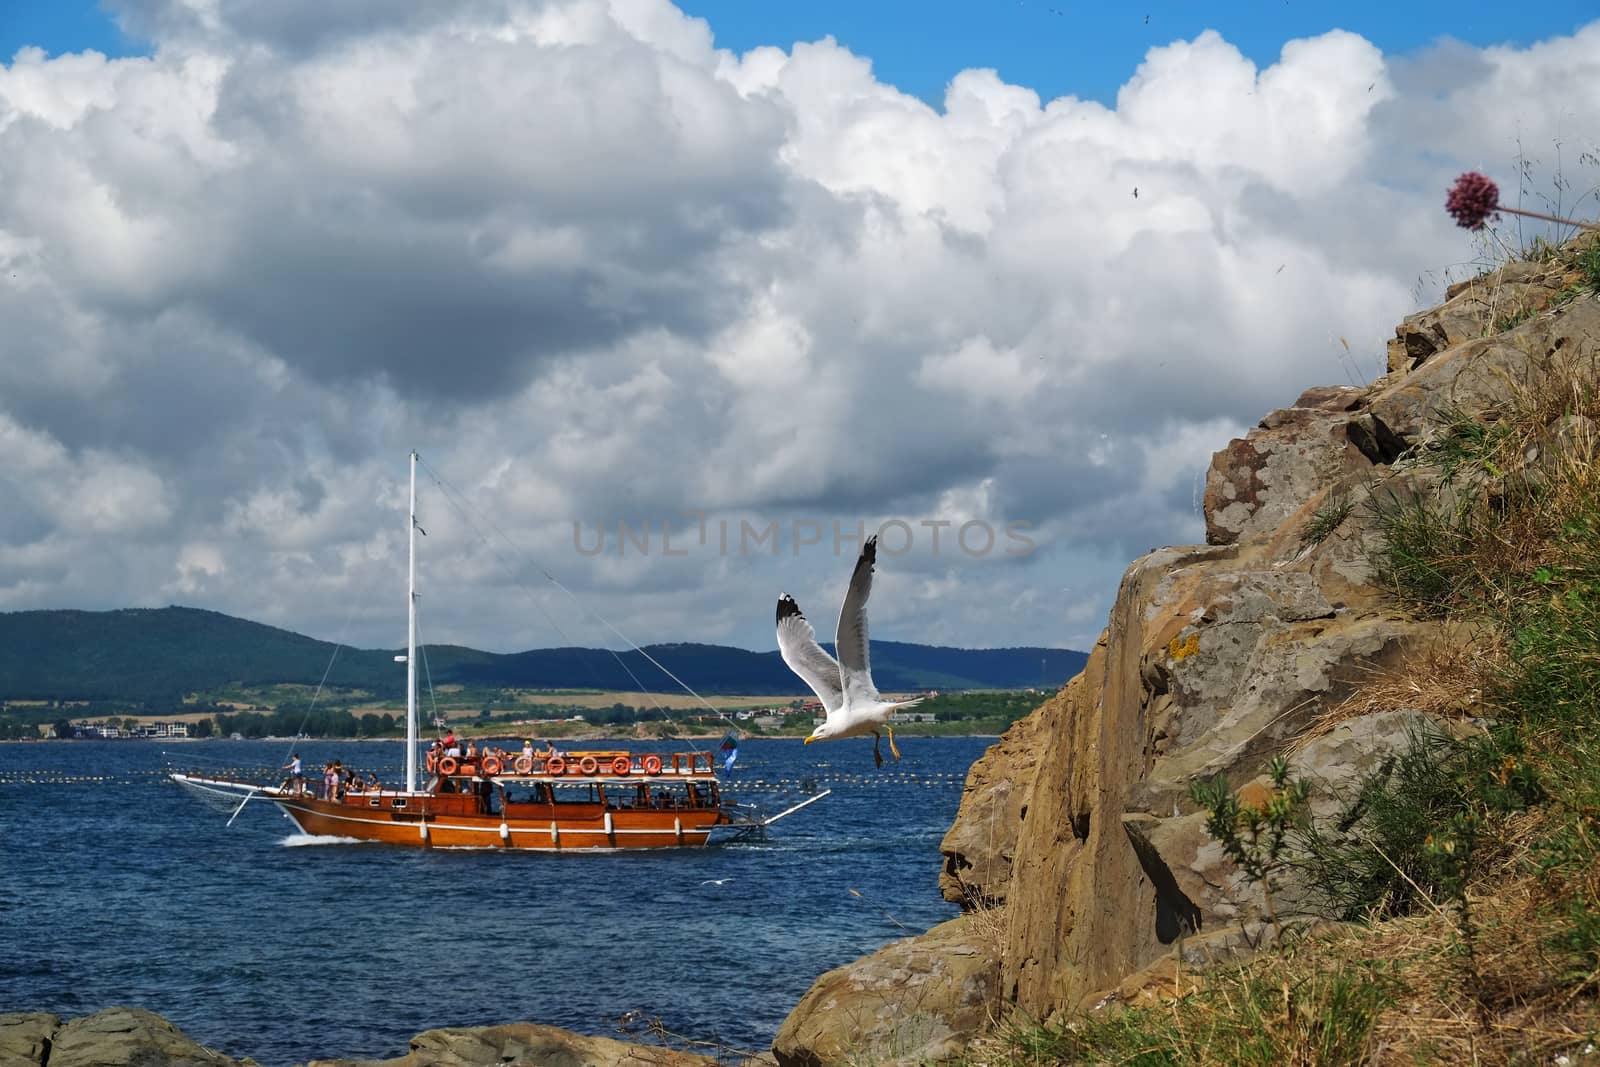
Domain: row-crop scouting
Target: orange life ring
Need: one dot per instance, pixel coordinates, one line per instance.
(447, 766)
(524, 764)
(555, 765)
(652, 764)
(491, 765)
(588, 765)
(621, 765)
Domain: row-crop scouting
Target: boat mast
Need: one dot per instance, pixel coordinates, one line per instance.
(411, 638)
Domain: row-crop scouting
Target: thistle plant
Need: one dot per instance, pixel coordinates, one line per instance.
(1474, 200)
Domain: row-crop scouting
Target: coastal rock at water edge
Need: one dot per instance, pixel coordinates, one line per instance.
(112, 1038)
(525, 1045)
(913, 1001)
(133, 1037)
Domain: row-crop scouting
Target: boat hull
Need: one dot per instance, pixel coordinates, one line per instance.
(564, 831)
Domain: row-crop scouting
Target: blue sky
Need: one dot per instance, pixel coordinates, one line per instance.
(1056, 47)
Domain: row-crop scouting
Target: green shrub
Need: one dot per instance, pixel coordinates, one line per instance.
(1421, 554)
(1328, 518)
(1512, 319)
(1588, 264)
(1385, 852)
(1255, 837)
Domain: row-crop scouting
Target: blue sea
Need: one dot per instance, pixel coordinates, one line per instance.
(119, 887)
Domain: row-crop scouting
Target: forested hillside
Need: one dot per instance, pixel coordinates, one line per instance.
(150, 655)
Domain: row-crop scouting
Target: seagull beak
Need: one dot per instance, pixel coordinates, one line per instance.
(811, 738)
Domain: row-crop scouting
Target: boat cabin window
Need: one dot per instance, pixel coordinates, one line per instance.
(616, 796)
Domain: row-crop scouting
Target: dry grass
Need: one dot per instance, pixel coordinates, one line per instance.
(1512, 1000)
(989, 922)
(1446, 679)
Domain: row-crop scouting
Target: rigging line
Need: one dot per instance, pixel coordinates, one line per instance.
(450, 493)
(338, 647)
(449, 496)
(427, 674)
(439, 481)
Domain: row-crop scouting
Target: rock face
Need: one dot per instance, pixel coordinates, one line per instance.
(25, 1038)
(1218, 657)
(913, 1001)
(978, 849)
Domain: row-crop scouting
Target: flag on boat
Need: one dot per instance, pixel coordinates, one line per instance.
(730, 750)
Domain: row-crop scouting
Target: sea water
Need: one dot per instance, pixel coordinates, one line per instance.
(119, 887)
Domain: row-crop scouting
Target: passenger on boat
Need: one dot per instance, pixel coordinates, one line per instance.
(472, 750)
(296, 779)
(451, 746)
(527, 748)
(373, 785)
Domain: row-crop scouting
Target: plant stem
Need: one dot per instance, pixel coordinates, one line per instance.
(1550, 218)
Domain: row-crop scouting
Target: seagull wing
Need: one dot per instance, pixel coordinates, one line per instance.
(797, 643)
(855, 665)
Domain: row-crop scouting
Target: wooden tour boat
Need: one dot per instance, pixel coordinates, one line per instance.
(580, 800)
(600, 799)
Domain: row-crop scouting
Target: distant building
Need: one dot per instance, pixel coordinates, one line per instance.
(895, 717)
(143, 731)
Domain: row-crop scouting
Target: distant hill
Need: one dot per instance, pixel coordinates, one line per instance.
(162, 654)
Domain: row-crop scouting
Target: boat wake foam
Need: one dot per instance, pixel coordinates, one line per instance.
(304, 840)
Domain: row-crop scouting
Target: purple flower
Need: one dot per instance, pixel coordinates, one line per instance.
(1473, 200)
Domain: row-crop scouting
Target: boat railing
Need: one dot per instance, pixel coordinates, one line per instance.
(596, 763)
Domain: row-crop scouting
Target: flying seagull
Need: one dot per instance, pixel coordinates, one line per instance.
(844, 685)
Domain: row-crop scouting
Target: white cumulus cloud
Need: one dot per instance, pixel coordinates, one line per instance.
(599, 270)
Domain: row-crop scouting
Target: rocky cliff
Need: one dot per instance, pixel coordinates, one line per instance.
(1077, 845)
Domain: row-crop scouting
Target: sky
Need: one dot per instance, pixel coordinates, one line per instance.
(764, 274)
